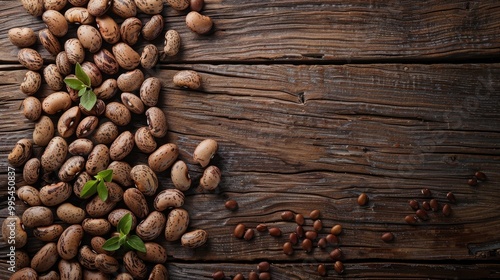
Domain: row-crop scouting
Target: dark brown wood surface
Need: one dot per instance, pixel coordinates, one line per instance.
(313, 103)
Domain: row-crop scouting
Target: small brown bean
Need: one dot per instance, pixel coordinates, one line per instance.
(332, 239)
(338, 266)
(31, 83)
(263, 266)
(288, 248)
(411, 219)
(322, 243)
(362, 199)
(239, 231)
(275, 232)
(336, 230)
(481, 176)
(318, 225)
(231, 205)
(49, 41)
(153, 28)
(132, 102)
(310, 234)
(52, 77)
(426, 192)
(451, 197)
(307, 245)
(387, 237)
(130, 30)
(199, 23)
(149, 56)
(300, 231)
(30, 59)
(126, 57)
(211, 178)
(150, 91)
(79, 15)
(472, 182)
(299, 219)
(178, 5)
(118, 113)
(314, 214)
(32, 108)
(196, 5)
(107, 63)
(218, 275)
(336, 254)
(261, 227)
(249, 233)
(446, 210)
(22, 37)
(55, 22)
(426, 206)
(188, 79)
(434, 205)
(414, 204)
(287, 215)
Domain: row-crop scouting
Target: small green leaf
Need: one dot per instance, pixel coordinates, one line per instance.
(112, 244)
(106, 175)
(102, 191)
(81, 75)
(88, 99)
(74, 83)
(122, 239)
(82, 91)
(89, 189)
(135, 242)
(125, 224)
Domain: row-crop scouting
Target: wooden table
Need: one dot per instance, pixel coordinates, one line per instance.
(313, 103)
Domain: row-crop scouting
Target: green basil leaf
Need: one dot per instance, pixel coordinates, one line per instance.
(88, 100)
(74, 83)
(135, 242)
(81, 75)
(102, 191)
(112, 244)
(89, 189)
(125, 224)
(106, 175)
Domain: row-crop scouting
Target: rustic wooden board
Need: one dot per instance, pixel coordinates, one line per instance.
(314, 102)
(313, 137)
(321, 31)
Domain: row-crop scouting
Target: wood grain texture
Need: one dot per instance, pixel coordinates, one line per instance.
(313, 103)
(314, 137)
(321, 31)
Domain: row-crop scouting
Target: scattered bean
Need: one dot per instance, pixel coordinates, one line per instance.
(287, 215)
(336, 230)
(362, 199)
(199, 23)
(288, 248)
(239, 231)
(387, 237)
(275, 232)
(481, 176)
(338, 266)
(307, 245)
(315, 214)
(231, 205)
(249, 233)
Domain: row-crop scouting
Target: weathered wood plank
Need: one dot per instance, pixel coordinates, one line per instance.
(365, 270)
(304, 137)
(321, 31)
